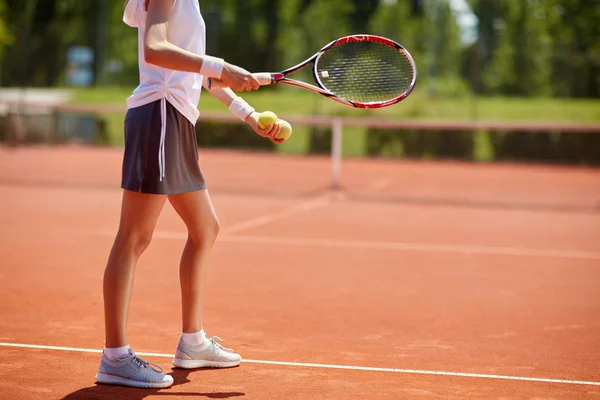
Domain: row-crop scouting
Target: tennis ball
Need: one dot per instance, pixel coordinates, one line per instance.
(266, 119)
(286, 130)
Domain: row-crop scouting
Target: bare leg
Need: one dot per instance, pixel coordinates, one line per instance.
(139, 213)
(196, 211)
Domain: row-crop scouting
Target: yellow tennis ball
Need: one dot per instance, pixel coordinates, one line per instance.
(266, 119)
(286, 130)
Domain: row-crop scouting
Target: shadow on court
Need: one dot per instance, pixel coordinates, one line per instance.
(180, 377)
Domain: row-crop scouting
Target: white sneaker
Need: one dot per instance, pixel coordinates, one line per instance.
(130, 370)
(214, 356)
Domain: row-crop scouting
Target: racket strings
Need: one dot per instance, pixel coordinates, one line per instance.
(365, 72)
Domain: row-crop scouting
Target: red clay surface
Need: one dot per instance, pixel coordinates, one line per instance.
(485, 269)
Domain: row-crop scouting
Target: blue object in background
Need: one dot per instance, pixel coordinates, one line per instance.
(80, 70)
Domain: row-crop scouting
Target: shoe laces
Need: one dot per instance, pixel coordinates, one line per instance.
(214, 343)
(143, 363)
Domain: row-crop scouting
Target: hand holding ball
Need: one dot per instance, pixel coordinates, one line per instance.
(268, 118)
(286, 130)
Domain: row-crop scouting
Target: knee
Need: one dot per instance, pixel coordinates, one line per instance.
(205, 234)
(133, 242)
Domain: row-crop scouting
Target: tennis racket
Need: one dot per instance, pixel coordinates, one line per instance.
(363, 71)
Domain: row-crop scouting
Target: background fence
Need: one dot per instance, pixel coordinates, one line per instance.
(563, 143)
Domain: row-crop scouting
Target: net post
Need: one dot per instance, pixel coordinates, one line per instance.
(336, 152)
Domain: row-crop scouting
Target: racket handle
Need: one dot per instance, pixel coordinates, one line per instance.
(263, 78)
(215, 84)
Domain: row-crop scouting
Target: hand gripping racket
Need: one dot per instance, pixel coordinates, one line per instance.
(363, 71)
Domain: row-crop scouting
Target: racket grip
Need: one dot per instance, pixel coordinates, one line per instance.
(264, 78)
(215, 84)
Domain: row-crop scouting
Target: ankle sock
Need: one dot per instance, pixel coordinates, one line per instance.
(113, 353)
(196, 340)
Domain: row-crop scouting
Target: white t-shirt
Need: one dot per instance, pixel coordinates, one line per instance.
(186, 30)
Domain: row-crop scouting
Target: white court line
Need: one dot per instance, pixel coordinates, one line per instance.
(306, 206)
(331, 366)
(424, 247)
(392, 246)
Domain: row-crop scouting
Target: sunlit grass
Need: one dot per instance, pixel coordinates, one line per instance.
(294, 101)
(290, 101)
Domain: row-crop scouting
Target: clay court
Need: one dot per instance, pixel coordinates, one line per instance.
(415, 280)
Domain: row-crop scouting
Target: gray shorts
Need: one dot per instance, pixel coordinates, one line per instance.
(143, 169)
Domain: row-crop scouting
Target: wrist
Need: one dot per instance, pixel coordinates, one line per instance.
(212, 67)
(240, 108)
(252, 116)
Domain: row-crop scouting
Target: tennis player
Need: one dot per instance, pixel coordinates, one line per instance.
(161, 162)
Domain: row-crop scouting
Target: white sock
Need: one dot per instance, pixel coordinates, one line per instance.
(113, 353)
(196, 340)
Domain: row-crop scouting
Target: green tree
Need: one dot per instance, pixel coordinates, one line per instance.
(576, 49)
(432, 37)
(538, 47)
(361, 14)
(6, 37)
(43, 32)
(307, 27)
(521, 62)
(410, 33)
(122, 46)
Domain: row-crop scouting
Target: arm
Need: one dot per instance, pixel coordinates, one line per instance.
(244, 112)
(159, 51)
